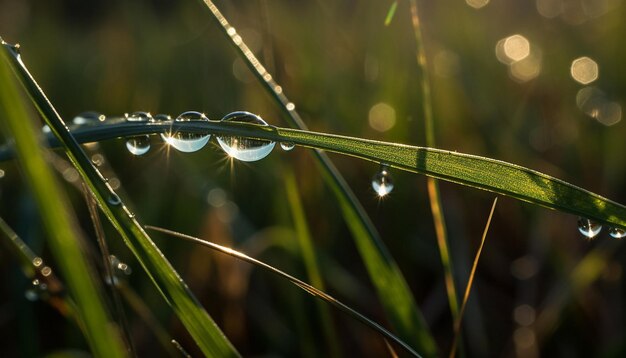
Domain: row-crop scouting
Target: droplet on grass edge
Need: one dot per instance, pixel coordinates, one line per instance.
(187, 142)
(382, 183)
(588, 228)
(242, 148)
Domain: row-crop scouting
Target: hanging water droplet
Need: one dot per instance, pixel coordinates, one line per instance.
(139, 117)
(138, 145)
(46, 128)
(88, 118)
(187, 142)
(242, 148)
(119, 269)
(617, 233)
(588, 228)
(287, 146)
(114, 199)
(382, 182)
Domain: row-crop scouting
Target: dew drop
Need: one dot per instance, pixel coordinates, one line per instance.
(588, 228)
(88, 118)
(382, 182)
(617, 233)
(46, 128)
(287, 146)
(187, 142)
(37, 261)
(114, 199)
(242, 148)
(139, 117)
(138, 145)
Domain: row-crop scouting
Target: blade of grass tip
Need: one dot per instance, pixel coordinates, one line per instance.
(488, 174)
(433, 186)
(102, 337)
(391, 13)
(194, 317)
(391, 287)
(301, 284)
(120, 316)
(310, 258)
(470, 281)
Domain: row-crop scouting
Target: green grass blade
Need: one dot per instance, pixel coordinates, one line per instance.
(310, 258)
(102, 337)
(434, 195)
(299, 283)
(197, 321)
(469, 170)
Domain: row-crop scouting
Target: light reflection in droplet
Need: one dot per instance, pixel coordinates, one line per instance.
(382, 117)
(584, 70)
(477, 4)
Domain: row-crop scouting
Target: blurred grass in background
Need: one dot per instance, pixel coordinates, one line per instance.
(503, 87)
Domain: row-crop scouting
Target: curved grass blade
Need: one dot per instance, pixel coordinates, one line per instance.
(469, 170)
(470, 281)
(197, 321)
(303, 285)
(99, 330)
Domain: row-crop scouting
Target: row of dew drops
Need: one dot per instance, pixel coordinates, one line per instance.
(241, 148)
(250, 150)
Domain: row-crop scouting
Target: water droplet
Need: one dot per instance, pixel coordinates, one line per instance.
(139, 117)
(382, 182)
(588, 228)
(290, 106)
(242, 148)
(114, 199)
(97, 159)
(45, 129)
(138, 145)
(188, 142)
(37, 261)
(617, 233)
(46, 271)
(287, 146)
(88, 118)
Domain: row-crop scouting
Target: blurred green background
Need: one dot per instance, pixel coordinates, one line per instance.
(506, 84)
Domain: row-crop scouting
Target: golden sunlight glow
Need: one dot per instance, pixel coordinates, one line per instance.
(549, 8)
(477, 4)
(528, 68)
(584, 70)
(382, 117)
(516, 47)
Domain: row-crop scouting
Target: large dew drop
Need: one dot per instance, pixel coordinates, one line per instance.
(187, 142)
(382, 182)
(617, 233)
(138, 145)
(242, 148)
(588, 228)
